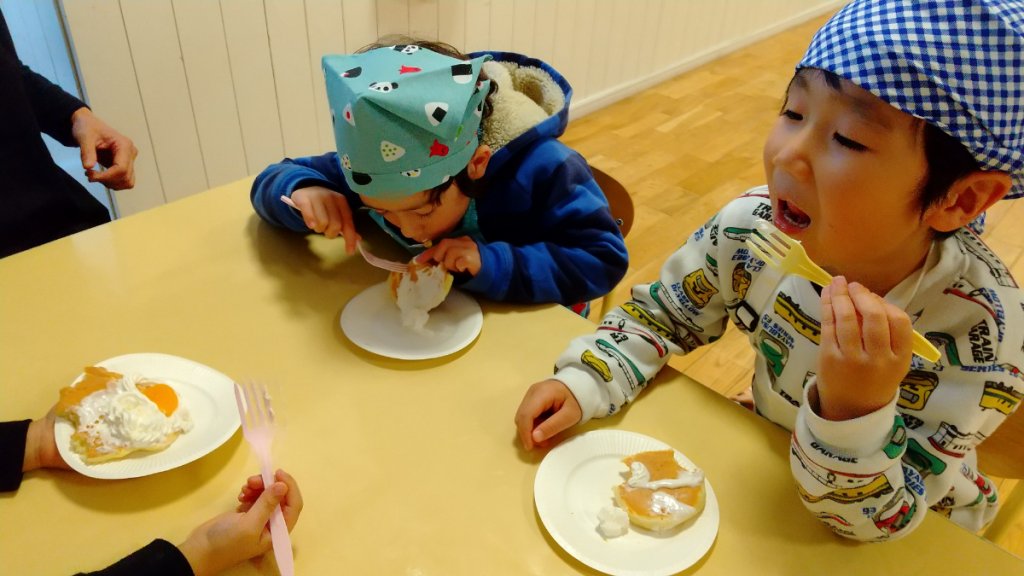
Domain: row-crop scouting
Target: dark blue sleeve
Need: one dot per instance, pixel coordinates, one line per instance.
(158, 558)
(562, 245)
(285, 177)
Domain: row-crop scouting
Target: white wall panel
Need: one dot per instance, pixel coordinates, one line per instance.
(500, 25)
(392, 17)
(245, 34)
(214, 89)
(544, 30)
(211, 91)
(360, 23)
(580, 47)
(293, 76)
(160, 72)
(110, 83)
(423, 19)
(600, 47)
(478, 25)
(451, 23)
(523, 18)
(326, 23)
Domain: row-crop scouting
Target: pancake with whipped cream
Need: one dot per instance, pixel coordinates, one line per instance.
(419, 291)
(659, 494)
(115, 415)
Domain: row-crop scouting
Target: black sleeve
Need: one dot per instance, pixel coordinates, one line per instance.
(52, 105)
(158, 558)
(12, 453)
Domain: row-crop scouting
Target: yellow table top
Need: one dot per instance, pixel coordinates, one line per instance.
(407, 468)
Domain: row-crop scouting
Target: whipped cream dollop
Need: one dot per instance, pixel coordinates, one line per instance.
(663, 503)
(640, 477)
(123, 417)
(612, 522)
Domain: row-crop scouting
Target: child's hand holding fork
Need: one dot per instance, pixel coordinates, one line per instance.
(232, 537)
(866, 346)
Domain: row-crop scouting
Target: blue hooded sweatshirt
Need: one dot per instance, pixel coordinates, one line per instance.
(542, 224)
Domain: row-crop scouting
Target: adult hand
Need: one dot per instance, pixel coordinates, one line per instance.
(454, 254)
(232, 537)
(99, 142)
(547, 409)
(865, 351)
(327, 212)
(41, 446)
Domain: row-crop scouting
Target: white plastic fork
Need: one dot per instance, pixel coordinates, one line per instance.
(258, 428)
(786, 254)
(372, 260)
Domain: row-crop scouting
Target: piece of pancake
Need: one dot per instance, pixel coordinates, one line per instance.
(668, 496)
(115, 417)
(419, 291)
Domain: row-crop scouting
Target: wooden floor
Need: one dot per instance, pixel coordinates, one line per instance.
(685, 147)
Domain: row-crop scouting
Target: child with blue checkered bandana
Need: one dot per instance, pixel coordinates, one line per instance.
(457, 159)
(903, 122)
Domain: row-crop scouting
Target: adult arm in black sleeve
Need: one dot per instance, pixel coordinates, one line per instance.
(53, 106)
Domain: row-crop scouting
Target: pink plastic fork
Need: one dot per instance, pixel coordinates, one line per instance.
(389, 265)
(381, 263)
(258, 428)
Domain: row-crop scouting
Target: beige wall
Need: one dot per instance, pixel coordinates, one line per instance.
(213, 91)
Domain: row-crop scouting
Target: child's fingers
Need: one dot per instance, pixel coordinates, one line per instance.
(258, 515)
(293, 502)
(901, 331)
(561, 419)
(320, 215)
(847, 326)
(348, 226)
(250, 491)
(444, 253)
(538, 400)
(828, 320)
(440, 250)
(305, 207)
(874, 320)
(529, 410)
(334, 222)
(455, 259)
(427, 255)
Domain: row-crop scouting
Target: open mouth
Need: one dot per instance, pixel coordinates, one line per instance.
(789, 218)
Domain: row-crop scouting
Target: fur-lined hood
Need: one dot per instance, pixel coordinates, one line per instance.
(532, 101)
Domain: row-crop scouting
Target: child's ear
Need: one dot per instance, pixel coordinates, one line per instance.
(478, 163)
(966, 198)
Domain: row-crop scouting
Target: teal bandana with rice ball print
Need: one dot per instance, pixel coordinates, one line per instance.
(405, 118)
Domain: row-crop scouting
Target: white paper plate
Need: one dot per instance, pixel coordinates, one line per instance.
(206, 393)
(575, 480)
(372, 321)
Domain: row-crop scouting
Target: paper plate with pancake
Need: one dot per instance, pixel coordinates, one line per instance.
(581, 477)
(372, 320)
(140, 414)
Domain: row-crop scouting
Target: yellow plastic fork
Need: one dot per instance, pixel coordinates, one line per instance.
(258, 428)
(786, 254)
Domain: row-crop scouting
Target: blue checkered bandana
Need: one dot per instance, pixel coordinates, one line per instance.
(957, 64)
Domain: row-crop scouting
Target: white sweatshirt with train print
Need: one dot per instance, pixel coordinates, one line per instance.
(871, 478)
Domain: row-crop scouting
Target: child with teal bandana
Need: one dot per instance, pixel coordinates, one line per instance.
(458, 160)
(900, 126)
